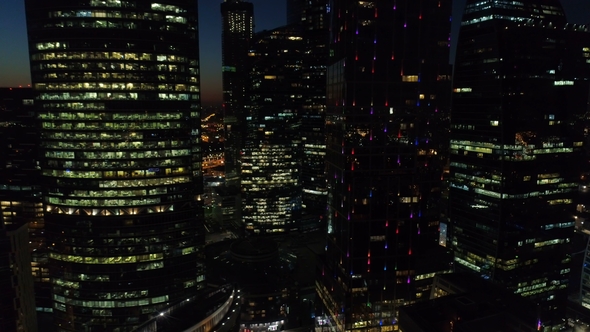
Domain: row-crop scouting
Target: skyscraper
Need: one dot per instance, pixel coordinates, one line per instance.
(312, 18)
(20, 185)
(516, 147)
(117, 98)
(388, 96)
(238, 28)
(271, 160)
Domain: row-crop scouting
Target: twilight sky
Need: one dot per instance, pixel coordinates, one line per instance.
(268, 14)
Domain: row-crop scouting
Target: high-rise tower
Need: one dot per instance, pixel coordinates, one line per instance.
(271, 160)
(20, 184)
(516, 143)
(388, 96)
(238, 28)
(117, 96)
(312, 18)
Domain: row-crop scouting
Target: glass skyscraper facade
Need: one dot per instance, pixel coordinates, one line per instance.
(236, 36)
(516, 147)
(312, 18)
(117, 98)
(388, 84)
(271, 159)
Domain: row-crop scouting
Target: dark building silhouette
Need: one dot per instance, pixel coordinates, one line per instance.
(271, 159)
(464, 302)
(117, 97)
(388, 103)
(236, 36)
(312, 18)
(263, 274)
(517, 140)
(296, 10)
(17, 303)
(20, 183)
(21, 213)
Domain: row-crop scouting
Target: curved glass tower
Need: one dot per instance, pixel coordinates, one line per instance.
(117, 92)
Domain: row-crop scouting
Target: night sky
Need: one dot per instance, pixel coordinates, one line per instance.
(268, 14)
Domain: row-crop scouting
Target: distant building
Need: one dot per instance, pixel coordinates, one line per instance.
(312, 18)
(517, 147)
(20, 181)
(388, 84)
(271, 158)
(236, 36)
(117, 97)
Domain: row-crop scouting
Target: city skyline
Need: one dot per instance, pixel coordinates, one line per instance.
(268, 14)
(158, 196)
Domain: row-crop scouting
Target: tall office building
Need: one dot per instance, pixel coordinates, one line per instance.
(20, 183)
(516, 147)
(117, 98)
(388, 99)
(311, 17)
(271, 159)
(236, 36)
(21, 212)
